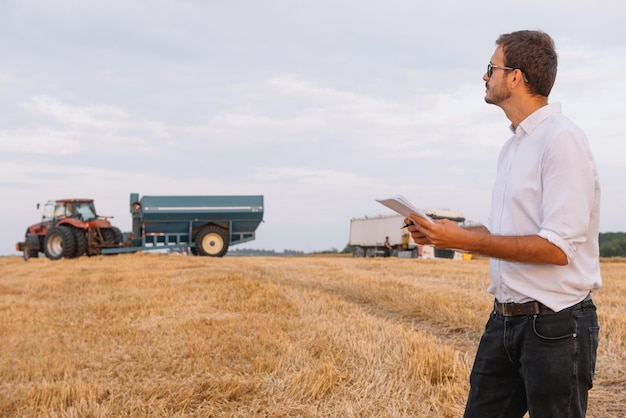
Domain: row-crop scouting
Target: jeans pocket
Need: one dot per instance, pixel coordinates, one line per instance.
(555, 327)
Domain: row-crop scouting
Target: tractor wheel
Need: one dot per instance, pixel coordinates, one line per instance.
(118, 235)
(212, 241)
(81, 242)
(29, 252)
(112, 236)
(60, 242)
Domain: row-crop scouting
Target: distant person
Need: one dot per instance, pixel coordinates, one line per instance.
(538, 350)
(388, 248)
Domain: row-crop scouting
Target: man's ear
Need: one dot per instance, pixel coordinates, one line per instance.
(518, 78)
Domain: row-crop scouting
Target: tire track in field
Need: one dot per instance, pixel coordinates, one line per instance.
(461, 339)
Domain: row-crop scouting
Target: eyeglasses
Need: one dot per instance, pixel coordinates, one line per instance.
(490, 68)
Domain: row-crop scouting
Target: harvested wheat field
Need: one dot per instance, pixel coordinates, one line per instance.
(150, 335)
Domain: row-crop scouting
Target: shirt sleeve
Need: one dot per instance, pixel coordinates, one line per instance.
(568, 181)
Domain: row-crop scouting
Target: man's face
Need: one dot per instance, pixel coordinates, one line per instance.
(497, 90)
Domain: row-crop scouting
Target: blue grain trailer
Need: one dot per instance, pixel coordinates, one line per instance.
(206, 225)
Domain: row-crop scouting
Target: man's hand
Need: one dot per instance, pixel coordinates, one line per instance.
(440, 233)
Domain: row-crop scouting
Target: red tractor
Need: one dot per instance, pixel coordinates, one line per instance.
(69, 228)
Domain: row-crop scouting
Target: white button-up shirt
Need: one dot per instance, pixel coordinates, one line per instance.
(547, 184)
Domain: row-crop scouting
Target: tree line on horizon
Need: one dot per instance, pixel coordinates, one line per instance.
(612, 244)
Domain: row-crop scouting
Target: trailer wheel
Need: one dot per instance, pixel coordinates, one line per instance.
(60, 242)
(212, 241)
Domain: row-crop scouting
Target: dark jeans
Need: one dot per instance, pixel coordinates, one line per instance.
(543, 364)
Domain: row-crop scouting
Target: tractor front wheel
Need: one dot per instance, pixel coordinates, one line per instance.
(112, 236)
(60, 242)
(212, 241)
(81, 241)
(29, 252)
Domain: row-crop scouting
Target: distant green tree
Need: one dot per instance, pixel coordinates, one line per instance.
(293, 252)
(250, 252)
(333, 250)
(612, 244)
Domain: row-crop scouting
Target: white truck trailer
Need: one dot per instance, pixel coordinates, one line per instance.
(368, 234)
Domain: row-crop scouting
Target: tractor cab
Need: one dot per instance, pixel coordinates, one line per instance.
(80, 209)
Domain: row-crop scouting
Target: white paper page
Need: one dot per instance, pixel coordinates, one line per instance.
(401, 205)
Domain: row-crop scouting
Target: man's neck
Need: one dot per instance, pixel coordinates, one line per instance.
(518, 110)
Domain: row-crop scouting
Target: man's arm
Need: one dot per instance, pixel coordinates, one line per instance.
(477, 239)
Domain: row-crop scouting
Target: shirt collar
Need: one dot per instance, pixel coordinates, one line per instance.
(534, 119)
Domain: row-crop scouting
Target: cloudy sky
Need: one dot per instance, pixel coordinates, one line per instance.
(319, 106)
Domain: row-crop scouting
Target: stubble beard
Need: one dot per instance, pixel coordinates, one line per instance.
(497, 94)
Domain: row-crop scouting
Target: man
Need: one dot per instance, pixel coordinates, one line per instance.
(388, 247)
(538, 350)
